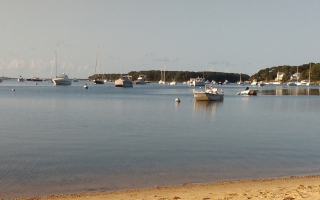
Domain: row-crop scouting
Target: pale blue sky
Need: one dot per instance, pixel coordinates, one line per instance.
(188, 35)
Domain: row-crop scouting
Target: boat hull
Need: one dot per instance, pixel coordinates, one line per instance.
(98, 82)
(61, 81)
(204, 96)
(248, 92)
(123, 83)
(140, 82)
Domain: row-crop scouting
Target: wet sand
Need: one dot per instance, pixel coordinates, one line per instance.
(287, 188)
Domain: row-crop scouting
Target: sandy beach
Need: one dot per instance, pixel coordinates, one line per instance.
(287, 188)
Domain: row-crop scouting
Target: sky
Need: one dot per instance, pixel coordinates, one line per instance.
(135, 35)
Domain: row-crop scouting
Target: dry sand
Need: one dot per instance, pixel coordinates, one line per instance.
(288, 188)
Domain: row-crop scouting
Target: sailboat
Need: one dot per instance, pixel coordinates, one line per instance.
(60, 79)
(97, 80)
(163, 76)
(309, 83)
(74, 78)
(240, 82)
(20, 78)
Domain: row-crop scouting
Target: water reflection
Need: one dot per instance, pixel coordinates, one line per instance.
(291, 91)
(208, 108)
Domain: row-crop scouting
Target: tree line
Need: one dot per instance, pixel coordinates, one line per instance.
(179, 76)
(269, 74)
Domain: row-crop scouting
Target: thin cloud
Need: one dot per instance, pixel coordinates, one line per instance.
(166, 59)
(150, 55)
(225, 63)
(38, 66)
(13, 54)
(59, 43)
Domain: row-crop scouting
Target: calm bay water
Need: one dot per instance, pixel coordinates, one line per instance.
(58, 140)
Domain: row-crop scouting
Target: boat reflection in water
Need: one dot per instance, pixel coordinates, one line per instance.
(206, 108)
(291, 91)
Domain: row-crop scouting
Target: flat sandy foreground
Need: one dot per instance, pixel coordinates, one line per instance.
(289, 188)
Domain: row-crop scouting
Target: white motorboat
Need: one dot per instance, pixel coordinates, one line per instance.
(209, 94)
(60, 79)
(141, 79)
(124, 81)
(247, 91)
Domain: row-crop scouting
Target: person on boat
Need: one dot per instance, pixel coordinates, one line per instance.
(247, 88)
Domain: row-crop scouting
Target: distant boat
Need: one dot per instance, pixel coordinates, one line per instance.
(309, 83)
(247, 91)
(34, 78)
(74, 78)
(60, 79)
(141, 79)
(97, 80)
(85, 86)
(124, 81)
(197, 81)
(291, 83)
(163, 76)
(254, 82)
(173, 82)
(20, 79)
(240, 82)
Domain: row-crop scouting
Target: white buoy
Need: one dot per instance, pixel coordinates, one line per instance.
(36, 83)
(13, 89)
(177, 100)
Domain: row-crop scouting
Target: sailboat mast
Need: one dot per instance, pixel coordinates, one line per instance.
(97, 62)
(309, 72)
(164, 74)
(56, 64)
(297, 73)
